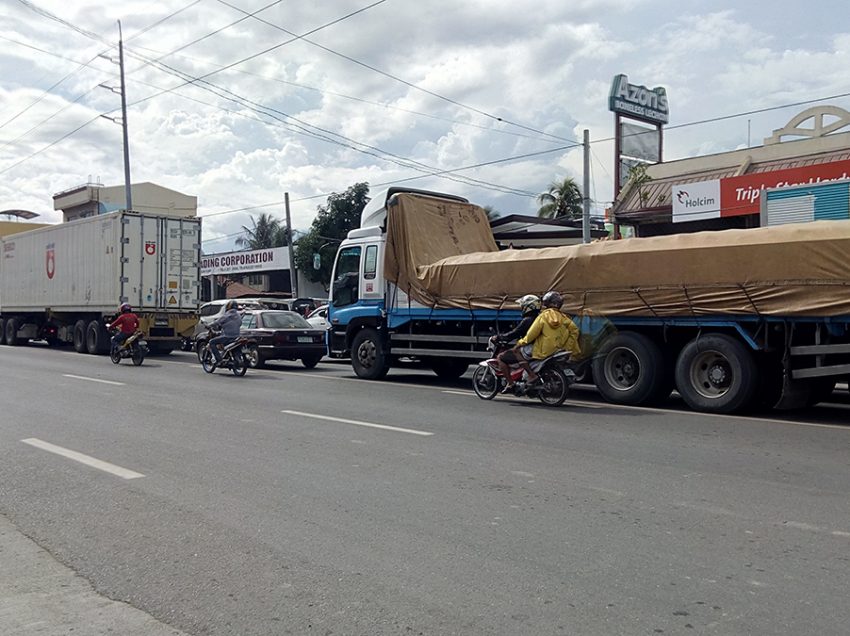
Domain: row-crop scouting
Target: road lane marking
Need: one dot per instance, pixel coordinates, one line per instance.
(124, 473)
(82, 377)
(457, 392)
(343, 420)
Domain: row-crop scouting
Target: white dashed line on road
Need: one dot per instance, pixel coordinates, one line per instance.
(82, 377)
(124, 473)
(342, 420)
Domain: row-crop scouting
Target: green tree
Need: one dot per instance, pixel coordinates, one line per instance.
(562, 200)
(492, 214)
(340, 214)
(266, 231)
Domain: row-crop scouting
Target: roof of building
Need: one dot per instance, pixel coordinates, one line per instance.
(522, 230)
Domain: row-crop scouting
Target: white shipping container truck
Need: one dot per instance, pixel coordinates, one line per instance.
(59, 283)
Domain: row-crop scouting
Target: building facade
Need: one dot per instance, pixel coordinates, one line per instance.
(723, 191)
(93, 199)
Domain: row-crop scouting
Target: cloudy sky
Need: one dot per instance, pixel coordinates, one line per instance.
(492, 94)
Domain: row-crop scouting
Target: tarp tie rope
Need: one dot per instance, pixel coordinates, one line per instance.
(643, 300)
(749, 299)
(689, 301)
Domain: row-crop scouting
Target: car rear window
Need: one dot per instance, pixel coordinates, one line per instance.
(285, 320)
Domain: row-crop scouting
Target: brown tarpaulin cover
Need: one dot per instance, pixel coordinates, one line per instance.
(443, 255)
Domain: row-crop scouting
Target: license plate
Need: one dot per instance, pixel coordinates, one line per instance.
(305, 339)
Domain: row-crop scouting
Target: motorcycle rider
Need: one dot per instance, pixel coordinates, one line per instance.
(127, 322)
(530, 305)
(551, 331)
(230, 324)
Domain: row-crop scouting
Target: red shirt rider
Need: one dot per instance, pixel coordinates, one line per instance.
(128, 323)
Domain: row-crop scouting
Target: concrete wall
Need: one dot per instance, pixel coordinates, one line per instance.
(13, 227)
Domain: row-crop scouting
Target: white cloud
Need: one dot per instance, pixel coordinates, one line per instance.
(546, 66)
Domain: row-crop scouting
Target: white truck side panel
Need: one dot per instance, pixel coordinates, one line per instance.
(78, 266)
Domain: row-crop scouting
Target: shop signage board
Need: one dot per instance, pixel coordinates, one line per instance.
(275, 258)
(638, 102)
(741, 195)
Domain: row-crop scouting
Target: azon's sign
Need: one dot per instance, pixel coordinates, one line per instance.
(741, 195)
(240, 262)
(639, 102)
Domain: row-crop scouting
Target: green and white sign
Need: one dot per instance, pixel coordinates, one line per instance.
(647, 104)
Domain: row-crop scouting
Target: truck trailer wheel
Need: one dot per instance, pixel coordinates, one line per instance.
(97, 339)
(716, 374)
(2, 331)
(368, 356)
(80, 336)
(11, 329)
(449, 368)
(630, 369)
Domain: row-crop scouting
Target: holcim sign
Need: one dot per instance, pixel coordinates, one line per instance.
(638, 102)
(240, 262)
(741, 195)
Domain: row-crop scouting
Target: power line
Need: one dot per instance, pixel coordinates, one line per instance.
(211, 33)
(307, 128)
(405, 82)
(46, 91)
(361, 100)
(161, 20)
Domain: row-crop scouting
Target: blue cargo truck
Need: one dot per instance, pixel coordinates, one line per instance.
(784, 344)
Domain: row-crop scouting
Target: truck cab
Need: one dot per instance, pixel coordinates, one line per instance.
(374, 322)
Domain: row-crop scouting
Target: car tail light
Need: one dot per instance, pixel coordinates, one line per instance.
(280, 338)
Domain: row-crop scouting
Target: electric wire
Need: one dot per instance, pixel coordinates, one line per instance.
(304, 38)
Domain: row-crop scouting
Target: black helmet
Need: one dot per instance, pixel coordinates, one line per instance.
(553, 299)
(124, 308)
(231, 304)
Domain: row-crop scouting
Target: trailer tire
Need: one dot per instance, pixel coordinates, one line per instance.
(630, 369)
(2, 331)
(449, 369)
(97, 339)
(80, 336)
(368, 356)
(11, 330)
(716, 374)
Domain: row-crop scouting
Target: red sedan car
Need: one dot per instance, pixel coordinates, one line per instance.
(282, 335)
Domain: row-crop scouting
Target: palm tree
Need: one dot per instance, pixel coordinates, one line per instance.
(562, 200)
(266, 231)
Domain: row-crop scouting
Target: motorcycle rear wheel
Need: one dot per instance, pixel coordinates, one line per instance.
(238, 364)
(554, 390)
(207, 360)
(485, 383)
(138, 357)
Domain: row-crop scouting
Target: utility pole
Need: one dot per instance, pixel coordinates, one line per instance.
(293, 275)
(585, 220)
(128, 194)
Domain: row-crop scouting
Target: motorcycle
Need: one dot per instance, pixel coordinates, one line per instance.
(232, 357)
(134, 347)
(555, 373)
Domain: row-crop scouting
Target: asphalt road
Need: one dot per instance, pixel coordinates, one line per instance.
(310, 502)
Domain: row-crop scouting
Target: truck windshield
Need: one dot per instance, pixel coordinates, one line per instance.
(347, 279)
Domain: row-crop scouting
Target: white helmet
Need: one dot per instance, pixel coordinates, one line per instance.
(529, 303)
